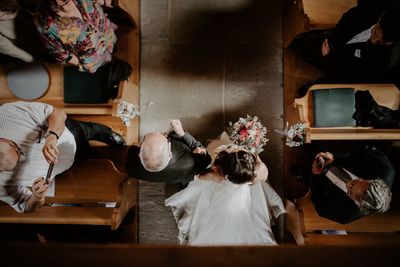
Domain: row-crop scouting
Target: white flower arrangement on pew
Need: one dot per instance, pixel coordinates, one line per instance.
(127, 111)
(295, 134)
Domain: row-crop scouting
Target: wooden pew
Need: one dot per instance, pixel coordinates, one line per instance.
(170, 255)
(373, 229)
(127, 49)
(303, 16)
(88, 185)
(388, 222)
(306, 15)
(326, 13)
(385, 94)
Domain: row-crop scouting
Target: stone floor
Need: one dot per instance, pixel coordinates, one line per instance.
(207, 63)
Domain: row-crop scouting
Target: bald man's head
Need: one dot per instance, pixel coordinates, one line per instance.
(155, 152)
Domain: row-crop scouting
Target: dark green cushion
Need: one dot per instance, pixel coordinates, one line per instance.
(334, 107)
(85, 88)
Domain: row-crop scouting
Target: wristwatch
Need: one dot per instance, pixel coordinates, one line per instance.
(51, 133)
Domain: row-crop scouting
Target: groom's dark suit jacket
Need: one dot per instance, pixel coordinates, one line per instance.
(182, 167)
(360, 62)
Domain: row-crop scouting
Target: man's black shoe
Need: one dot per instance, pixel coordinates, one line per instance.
(116, 140)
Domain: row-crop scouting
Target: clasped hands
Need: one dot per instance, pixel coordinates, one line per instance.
(321, 160)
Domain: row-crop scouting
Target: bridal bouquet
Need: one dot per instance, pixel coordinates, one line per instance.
(249, 133)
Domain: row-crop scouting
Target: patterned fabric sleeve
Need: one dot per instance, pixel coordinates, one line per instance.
(48, 34)
(91, 40)
(56, 49)
(90, 60)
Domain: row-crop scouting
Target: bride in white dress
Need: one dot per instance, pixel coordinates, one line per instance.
(229, 204)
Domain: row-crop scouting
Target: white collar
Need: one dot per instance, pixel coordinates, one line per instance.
(362, 37)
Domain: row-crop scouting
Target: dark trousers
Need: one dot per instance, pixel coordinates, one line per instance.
(86, 131)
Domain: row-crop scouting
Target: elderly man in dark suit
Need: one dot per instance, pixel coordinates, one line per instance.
(173, 158)
(345, 187)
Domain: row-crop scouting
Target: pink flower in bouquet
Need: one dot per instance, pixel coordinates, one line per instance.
(244, 132)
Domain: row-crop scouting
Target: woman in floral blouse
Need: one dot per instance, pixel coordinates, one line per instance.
(77, 32)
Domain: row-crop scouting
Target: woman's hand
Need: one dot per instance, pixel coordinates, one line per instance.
(105, 3)
(74, 60)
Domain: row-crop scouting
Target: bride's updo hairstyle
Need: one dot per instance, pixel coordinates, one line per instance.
(237, 166)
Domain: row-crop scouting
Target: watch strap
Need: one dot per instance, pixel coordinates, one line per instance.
(53, 133)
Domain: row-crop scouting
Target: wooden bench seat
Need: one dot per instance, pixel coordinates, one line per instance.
(60, 215)
(385, 94)
(354, 239)
(88, 186)
(373, 229)
(384, 223)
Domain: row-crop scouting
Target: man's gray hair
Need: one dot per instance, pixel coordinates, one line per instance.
(377, 198)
